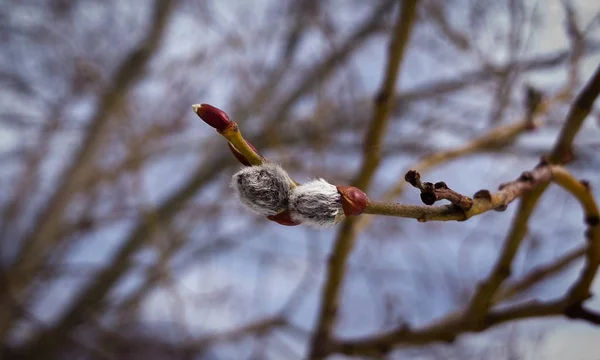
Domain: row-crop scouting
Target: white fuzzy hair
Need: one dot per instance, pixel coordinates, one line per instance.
(264, 189)
(316, 203)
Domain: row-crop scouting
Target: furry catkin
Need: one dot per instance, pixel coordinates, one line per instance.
(263, 189)
(316, 203)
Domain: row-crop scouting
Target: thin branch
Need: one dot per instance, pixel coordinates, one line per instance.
(537, 275)
(581, 108)
(498, 137)
(580, 291)
(482, 201)
(430, 192)
(445, 330)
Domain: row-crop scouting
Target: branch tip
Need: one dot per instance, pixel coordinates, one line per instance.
(428, 198)
(412, 177)
(213, 116)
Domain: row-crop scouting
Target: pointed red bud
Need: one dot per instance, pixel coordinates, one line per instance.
(241, 158)
(283, 218)
(354, 200)
(213, 116)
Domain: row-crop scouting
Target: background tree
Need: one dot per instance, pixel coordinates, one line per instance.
(121, 238)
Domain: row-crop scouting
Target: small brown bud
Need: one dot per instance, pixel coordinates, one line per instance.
(427, 186)
(428, 198)
(586, 184)
(354, 200)
(283, 218)
(483, 194)
(440, 185)
(213, 116)
(412, 177)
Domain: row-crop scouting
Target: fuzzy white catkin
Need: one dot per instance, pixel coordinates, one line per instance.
(316, 203)
(263, 189)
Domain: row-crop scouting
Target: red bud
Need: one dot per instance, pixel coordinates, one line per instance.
(239, 155)
(213, 116)
(354, 200)
(283, 218)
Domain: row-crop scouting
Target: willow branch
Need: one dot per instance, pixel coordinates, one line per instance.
(482, 300)
(431, 193)
(482, 201)
(580, 291)
(476, 316)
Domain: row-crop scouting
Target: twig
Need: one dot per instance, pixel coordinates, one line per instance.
(482, 201)
(496, 138)
(430, 193)
(581, 108)
(580, 291)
